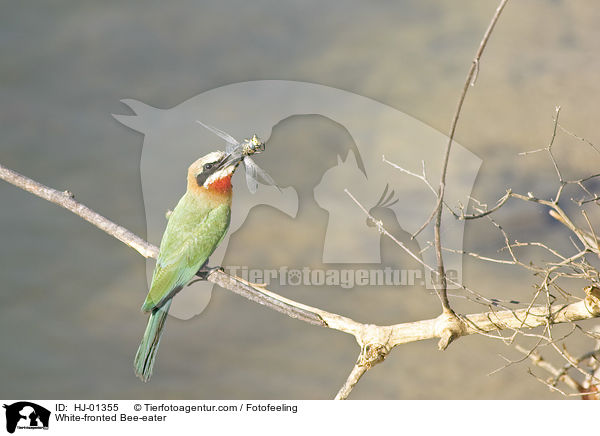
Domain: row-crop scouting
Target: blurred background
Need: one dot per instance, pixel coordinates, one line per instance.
(70, 321)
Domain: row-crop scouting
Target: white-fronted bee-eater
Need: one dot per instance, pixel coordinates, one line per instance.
(194, 230)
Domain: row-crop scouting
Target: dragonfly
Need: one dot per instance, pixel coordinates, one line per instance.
(246, 148)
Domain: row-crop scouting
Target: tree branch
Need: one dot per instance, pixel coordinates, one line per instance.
(357, 372)
(67, 200)
(375, 341)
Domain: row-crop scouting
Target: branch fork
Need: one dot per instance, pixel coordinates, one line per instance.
(448, 327)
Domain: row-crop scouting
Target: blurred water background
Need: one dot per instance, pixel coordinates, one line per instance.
(70, 320)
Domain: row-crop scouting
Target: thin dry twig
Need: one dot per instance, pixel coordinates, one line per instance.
(537, 359)
(441, 287)
(67, 200)
(575, 266)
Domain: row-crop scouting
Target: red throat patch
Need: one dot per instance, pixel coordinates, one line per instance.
(221, 185)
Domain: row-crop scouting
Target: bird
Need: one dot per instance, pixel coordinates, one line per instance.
(194, 229)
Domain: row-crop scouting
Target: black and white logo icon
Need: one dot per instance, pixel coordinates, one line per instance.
(26, 415)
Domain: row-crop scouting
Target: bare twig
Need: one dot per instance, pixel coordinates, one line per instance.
(559, 375)
(441, 286)
(381, 228)
(67, 200)
(568, 132)
(548, 148)
(589, 242)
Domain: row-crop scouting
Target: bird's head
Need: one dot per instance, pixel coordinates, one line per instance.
(213, 172)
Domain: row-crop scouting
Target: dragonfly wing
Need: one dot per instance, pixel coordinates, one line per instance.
(235, 150)
(266, 178)
(226, 136)
(254, 170)
(251, 181)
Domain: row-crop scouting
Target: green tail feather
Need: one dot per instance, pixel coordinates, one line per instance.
(146, 353)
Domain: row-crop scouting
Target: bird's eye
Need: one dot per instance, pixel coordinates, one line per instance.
(208, 166)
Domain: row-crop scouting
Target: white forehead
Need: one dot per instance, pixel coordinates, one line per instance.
(212, 157)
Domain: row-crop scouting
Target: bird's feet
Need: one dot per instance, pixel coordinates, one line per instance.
(206, 270)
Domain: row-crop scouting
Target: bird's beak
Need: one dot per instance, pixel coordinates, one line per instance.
(230, 160)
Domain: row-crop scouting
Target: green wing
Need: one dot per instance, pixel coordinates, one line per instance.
(192, 234)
